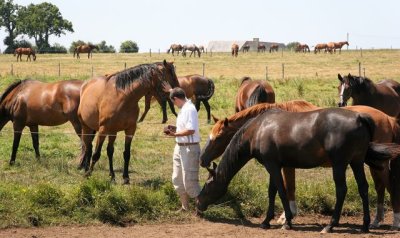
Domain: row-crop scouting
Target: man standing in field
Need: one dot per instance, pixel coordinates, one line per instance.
(185, 176)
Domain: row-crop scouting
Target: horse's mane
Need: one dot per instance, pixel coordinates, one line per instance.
(259, 95)
(126, 77)
(244, 79)
(9, 89)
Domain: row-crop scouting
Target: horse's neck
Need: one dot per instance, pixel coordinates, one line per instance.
(365, 96)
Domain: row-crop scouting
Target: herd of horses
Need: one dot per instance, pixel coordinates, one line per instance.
(280, 136)
(183, 48)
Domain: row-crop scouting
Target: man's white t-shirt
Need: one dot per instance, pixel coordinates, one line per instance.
(188, 120)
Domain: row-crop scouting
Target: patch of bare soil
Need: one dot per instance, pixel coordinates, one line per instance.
(303, 226)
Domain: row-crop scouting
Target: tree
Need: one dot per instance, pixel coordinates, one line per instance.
(128, 47)
(74, 44)
(41, 21)
(292, 45)
(8, 19)
(104, 48)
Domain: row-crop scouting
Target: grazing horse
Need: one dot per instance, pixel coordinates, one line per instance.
(85, 49)
(384, 95)
(235, 50)
(192, 48)
(305, 140)
(246, 48)
(196, 87)
(387, 130)
(32, 103)
(25, 51)
(110, 104)
(302, 48)
(252, 92)
(261, 48)
(201, 48)
(273, 48)
(175, 47)
(319, 47)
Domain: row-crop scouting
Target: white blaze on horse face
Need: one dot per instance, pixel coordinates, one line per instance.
(342, 87)
(211, 137)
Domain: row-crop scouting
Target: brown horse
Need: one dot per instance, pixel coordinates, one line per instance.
(384, 95)
(273, 48)
(192, 48)
(252, 92)
(245, 48)
(387, 130)
(302, 48)
(319, 47)
(333, 46)
(110, 104)
(235, 50)
(201, 48)
(261, 48)
(198, 88)
(85, 49)
(32, 103)
(25, 51)
(175, 47)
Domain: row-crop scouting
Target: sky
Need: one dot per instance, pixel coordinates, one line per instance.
(155, 24)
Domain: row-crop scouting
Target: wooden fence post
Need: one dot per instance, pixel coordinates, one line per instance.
(204, 66)
(283, 71)
(266, 72)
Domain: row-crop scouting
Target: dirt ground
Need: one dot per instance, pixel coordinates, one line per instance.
(304, 226)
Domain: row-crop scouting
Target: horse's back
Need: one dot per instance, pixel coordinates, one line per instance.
(248, 87)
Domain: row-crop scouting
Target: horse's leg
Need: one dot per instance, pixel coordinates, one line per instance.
(272, 190)
(362, 184)
(395, 192)
(289, 179)
(147, 101)
(17, 137)
(164, 110)
(127, 152)
(197, 104)
(110, 154)
(97, 152)
(208, 108)
(87, 139)
(172, 107)
(35, 139)
(78, 130)
(379, 182)
(339, 177)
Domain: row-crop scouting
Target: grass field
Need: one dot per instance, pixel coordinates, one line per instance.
(52, 191)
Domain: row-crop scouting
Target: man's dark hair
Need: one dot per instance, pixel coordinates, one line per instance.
(177, 93)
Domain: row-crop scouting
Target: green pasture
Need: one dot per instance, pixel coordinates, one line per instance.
(52, 191)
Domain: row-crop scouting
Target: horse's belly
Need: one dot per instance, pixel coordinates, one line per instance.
(306, 160)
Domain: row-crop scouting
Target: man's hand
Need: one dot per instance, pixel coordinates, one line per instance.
(166, 87)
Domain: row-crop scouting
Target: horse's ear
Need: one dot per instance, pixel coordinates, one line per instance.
(226, 122)
(349, 75)
(340, 77)
(214, 118)
(165, 63)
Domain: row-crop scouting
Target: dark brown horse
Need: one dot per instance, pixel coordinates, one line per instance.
(252, 92)
(25, 51)
(261, 48)
(322, 137)
(273, 48)
(245, 48)
(85, 49)
(387, 130)
(319, 47)
(235, 50)
(192, 48)
(302, 48)
(175, 48)
(110, 104)
(384, 95)
(33, 103)
(201, 48)
(198, 88)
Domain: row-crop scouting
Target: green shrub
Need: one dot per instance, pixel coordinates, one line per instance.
(45, 195)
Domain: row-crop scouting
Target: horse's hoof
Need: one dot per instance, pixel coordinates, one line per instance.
(126, 181)
(327, 229)
(287, 225)
(12, 162)
(265, 226)
(375, 224)
(365, 229)
(87, 174)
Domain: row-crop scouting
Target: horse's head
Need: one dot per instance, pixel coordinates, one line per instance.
(34, 55)
(220, 136)
(211, 192)
(345, 89)
(167, 72)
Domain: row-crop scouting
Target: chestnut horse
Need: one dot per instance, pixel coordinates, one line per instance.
(319, 47)
(261, 48)
(252, 92)
(333, 46)
(110, 104)
(387, 130)
(85, 49)
(196, 87)
(175, 47)
(273, 48)
(384, 95)
(278, 139)
(302, 48)
(235, 50)
(25, 51)
(33, 103)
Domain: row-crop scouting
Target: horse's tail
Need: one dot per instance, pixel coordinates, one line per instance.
(378, 153)
(210, 91)
(75, 51)
(245, 79)
(259, 95)
(394, 175)
(15, 52)
(168, 50)
(368, 122)
(8, 90)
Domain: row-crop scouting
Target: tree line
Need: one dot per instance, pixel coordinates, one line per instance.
(39, 22)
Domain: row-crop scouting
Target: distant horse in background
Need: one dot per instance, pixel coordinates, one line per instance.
(235, 50)
(384, 95)
(333, 46)
(252, 92)
(192, 48)
(175, 47)
(88, 48)
(196, 87)
(25, 51)
(319, 47)
(302, 48)
(33, 103)
(261, 48)
(273, 48)
(245, 48)
(276, 139)
(201, 48)
(110, 104)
